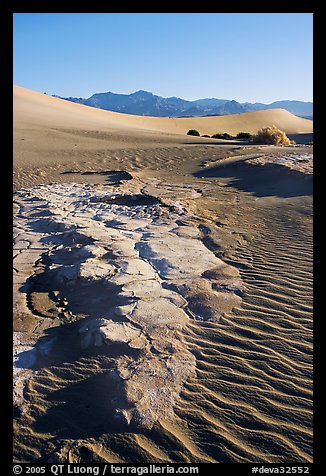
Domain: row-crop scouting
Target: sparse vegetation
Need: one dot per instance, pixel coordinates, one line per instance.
(243, 135)
(193, 132)
(223, 135)
(205, 135)
(272, 135)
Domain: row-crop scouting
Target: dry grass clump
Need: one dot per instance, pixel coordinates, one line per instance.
(272, 135)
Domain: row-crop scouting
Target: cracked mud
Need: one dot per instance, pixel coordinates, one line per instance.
(99, 267)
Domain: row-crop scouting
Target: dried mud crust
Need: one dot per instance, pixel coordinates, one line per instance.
(121, 266)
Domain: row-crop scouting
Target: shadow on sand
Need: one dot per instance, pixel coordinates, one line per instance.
(76, 387)
(262, 181)
(220, 142)
(113, 177)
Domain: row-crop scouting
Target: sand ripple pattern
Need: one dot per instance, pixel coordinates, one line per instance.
(255, 369)
(251, 397)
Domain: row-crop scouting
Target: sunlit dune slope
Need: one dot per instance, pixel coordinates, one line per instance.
(36, 109)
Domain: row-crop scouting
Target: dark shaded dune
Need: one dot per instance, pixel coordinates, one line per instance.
(262, 181)
(301, 138)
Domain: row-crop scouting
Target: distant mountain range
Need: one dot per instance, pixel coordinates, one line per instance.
(144, 103)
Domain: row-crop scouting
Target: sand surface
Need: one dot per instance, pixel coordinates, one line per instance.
(162, 289)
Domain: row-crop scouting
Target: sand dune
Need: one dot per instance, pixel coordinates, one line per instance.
(120, 190)
(31, 107)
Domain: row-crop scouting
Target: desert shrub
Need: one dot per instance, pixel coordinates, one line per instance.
(272, 135)
(205, 135)
(223, 135)
(193, 132)
(243, 135)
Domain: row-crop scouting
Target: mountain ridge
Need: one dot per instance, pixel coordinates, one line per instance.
(145, 103)
(50, 113)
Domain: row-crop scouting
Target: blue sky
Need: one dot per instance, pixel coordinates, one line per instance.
(243, 56)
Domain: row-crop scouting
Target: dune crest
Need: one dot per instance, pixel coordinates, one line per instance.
(40, 109)
(162, 288)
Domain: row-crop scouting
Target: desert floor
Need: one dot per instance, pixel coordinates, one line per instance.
(241, 356)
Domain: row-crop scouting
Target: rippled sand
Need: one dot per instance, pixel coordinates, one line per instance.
(258, 405)
(251, 398)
